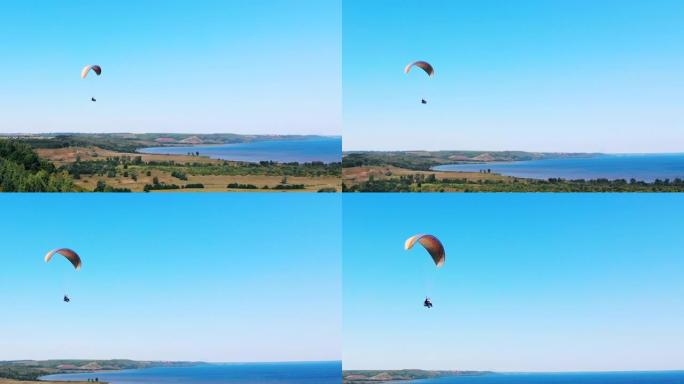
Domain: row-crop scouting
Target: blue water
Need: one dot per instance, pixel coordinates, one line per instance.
(640, 167)
(670, 377)
(325, 149)
(266, 373)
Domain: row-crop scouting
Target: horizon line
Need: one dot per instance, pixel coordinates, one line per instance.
(521, 372)
(511, 150)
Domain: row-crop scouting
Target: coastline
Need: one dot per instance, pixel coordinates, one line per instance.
(200, 372)
(252, 152)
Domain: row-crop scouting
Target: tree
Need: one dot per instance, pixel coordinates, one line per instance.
(101, 185)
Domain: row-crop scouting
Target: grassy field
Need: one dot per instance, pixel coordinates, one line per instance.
(214, 175)
(356, 175)
(62, 156)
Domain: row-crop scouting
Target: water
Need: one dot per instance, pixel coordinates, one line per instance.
(325, 149)
(640, 167)
(266, 373)
(669, 377)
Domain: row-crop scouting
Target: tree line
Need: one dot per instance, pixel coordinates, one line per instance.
(21, 170)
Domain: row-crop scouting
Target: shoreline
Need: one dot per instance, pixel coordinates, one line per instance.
(410, 375)
(168, 150)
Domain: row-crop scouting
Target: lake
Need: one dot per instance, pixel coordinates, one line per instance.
(325, 149)
(266, 373)
(664, 377)
(640, 167)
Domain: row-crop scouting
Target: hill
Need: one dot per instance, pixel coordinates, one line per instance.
(31, 370)
(384, 376)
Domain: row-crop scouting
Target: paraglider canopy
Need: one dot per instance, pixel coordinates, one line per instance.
(95, 68)
(431, 244)
(424, 65)
(69, 254)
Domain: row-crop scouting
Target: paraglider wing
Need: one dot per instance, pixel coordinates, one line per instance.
(96, 68)
(424, 65)
(431, 244)
(69, 254)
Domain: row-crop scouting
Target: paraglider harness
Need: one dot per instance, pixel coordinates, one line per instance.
(66, 299)
(427, 303)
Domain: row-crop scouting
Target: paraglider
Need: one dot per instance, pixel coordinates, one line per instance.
(431, 244)
(87, 69)
(68, 254)
(425, 66)
(95, 68)
(434, 248)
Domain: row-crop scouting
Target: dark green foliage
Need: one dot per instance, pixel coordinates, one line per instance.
(289, 186)
(421, 183)
(179, 175)
(241, 186)
(194, 185)
(103, 187)
(159, 187)
(21, 170)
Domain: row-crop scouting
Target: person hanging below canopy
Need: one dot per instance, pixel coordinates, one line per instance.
(71, 256)
(425, 66)
(434, 248)
(91, 68)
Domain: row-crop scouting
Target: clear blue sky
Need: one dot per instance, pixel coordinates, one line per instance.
(532, 282)
(224, 277)
(245, 66)
(538, 75)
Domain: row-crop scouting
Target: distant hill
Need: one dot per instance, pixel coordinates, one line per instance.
(33, 369)
(130, 142)
(425, 160)
(384, 376)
